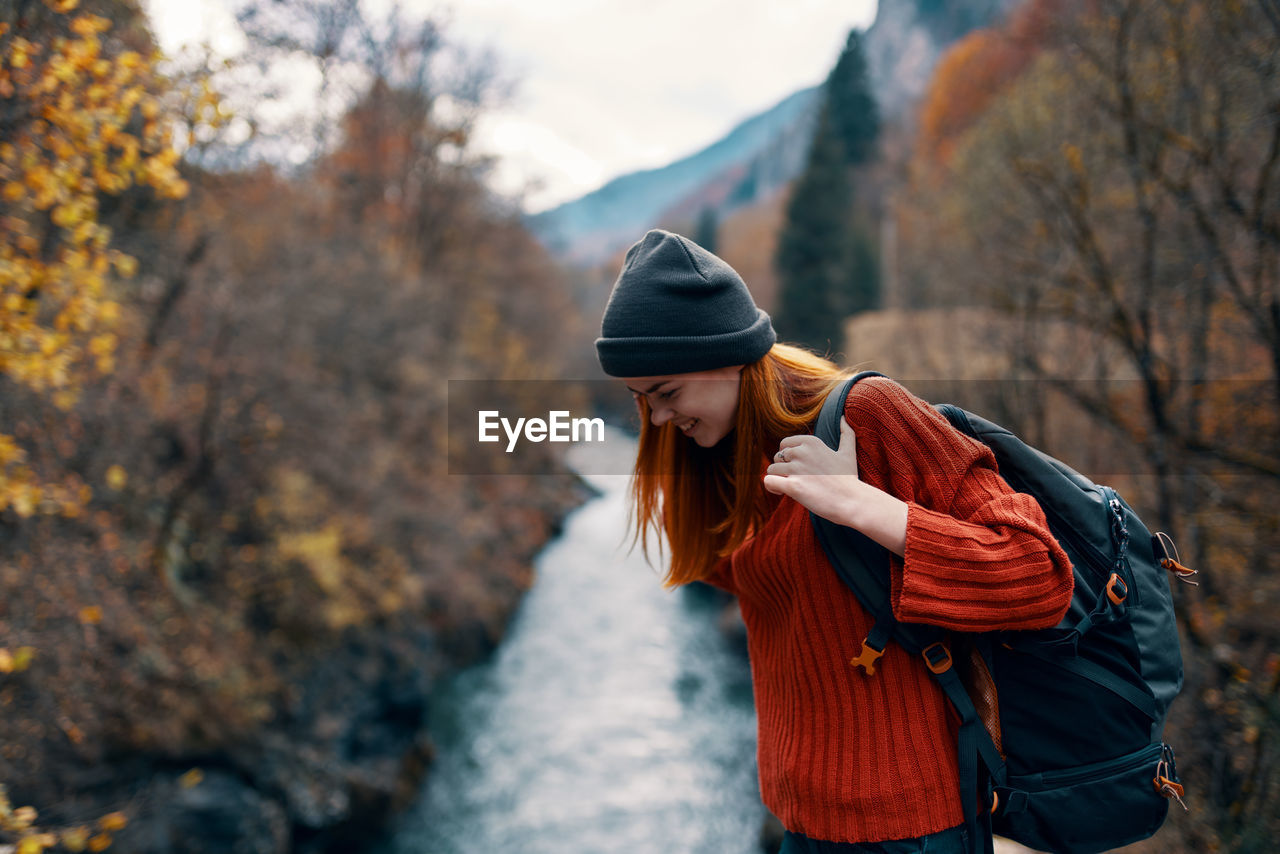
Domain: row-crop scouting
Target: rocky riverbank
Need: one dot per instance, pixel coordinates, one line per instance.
(343, 747)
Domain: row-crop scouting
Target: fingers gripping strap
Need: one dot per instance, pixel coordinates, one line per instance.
(862, 563)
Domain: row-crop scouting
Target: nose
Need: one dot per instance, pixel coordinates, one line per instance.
(660, 415)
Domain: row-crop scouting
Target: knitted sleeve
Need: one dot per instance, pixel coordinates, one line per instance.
(979, 556)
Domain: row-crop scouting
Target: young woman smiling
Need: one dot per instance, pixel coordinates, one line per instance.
(728, 470)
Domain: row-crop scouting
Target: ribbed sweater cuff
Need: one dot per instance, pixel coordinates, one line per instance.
(970, 577)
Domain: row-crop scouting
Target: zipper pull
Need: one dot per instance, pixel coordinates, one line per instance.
(1162, 543)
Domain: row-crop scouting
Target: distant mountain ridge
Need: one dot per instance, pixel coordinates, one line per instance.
(766, 151)
(592, 227)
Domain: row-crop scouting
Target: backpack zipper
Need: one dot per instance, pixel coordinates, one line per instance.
(1148, 755)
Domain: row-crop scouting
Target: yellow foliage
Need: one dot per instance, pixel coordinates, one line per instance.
(16, 661)
(75, 839)
(320, 550)
(20, 823)
(117, 477)
(9, 451)
(86, 123)
(23, 817)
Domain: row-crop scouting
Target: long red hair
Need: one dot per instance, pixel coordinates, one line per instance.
(708, 501)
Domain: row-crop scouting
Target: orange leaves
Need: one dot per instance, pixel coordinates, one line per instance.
(974, 71)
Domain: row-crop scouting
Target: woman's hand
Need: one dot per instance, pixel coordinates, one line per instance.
(826, 482)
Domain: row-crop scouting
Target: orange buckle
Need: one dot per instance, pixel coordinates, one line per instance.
(1117, 598)
(995, 802)
(944, 664)
(867, 658)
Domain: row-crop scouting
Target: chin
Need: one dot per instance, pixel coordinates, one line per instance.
(712, 443)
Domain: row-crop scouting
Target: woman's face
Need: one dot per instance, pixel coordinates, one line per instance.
(702, 405)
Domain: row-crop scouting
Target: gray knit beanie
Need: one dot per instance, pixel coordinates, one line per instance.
(676, 308)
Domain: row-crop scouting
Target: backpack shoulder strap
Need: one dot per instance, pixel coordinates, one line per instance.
(862, 563)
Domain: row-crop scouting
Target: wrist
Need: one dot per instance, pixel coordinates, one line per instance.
(879, 515)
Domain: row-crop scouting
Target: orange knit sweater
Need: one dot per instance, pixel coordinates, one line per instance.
(848, 757)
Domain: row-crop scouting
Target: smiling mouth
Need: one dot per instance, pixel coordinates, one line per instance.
(689, 425)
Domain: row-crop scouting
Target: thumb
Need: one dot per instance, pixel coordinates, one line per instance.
(848, 443)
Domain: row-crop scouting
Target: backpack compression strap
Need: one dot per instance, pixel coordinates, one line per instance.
(863, 566)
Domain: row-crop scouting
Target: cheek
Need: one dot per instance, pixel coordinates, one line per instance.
(722, 410)
(731, 404)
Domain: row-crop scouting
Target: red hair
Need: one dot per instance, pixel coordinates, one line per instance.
(708, 501)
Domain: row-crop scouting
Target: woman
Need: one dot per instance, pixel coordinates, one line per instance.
(727, 468)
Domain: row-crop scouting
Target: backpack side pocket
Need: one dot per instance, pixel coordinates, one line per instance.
(1077, 810)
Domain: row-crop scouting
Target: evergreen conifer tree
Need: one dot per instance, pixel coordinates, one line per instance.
(825, 261)
(707, 228)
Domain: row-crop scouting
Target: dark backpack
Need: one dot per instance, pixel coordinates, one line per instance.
(1060, 737)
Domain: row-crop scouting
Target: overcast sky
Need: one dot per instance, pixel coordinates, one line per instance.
(605, 87)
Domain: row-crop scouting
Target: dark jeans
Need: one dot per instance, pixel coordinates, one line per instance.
(952, 841)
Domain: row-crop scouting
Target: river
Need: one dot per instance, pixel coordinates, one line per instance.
(614, 717)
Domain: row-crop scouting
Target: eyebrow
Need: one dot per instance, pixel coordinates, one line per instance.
(652, 388)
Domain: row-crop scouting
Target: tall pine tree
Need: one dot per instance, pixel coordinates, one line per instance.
(825, 262)
(706, 231)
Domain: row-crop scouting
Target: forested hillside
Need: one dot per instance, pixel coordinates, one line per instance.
(232, 556)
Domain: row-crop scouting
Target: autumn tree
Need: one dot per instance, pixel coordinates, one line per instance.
(258, 474)
(973, 72)
(87, 128)
(825, 262)
(1116, 201)
(84, 116)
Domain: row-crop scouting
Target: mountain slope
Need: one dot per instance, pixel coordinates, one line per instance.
(767, 151)
(592, 227)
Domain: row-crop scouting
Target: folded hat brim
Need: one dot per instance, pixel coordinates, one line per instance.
(650, 356)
